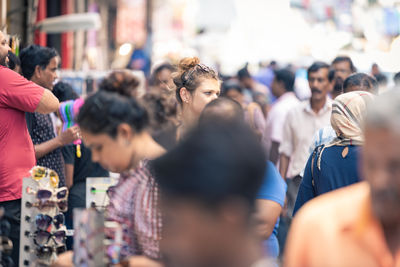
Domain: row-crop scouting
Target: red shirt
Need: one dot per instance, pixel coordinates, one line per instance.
(17, 155)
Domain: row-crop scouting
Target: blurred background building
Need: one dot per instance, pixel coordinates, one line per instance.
(223, 33)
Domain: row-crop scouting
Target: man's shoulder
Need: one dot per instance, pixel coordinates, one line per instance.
(337, 207)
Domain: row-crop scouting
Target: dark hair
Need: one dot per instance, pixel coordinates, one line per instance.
(331, 75)
(160, 68)
(396, 79)
(364, 81)
(222, 108)
(190, 74)
(122, 82)
(381, 78)
(13, 60)
(228, 163)
(103, 111)
(35, 55)
(161, 107)
(287, 77)
(231, 85)
(316, 66)
(63, 91)
(339, 59)
(243, 73)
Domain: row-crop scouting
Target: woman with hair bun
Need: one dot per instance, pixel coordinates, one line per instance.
(196, 86)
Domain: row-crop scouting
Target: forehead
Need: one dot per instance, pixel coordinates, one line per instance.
(322, 72)
(209, 84)
(2, 36)
(341, 65)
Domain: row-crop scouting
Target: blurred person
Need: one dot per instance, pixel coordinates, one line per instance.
(39, 65)
(337, 88)
(163, 112)
(248, 82)
(302, 121)
(375, 70)
(266, 74)
(271, 196)
(262, 101)
(335, 165)
(396, 80)
(14, 63)
(77, 169)
(17, 155)
(358, 225)
(282, 88)
(196, 86)
(252, 111)
(140, 60)
(382, 82)
(343, 67)
(161, 78)
(208, 217)
(122, 82)
(355, 82)
(115, 128)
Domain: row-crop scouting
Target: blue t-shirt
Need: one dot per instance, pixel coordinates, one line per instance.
(336, 171)
(274, 189)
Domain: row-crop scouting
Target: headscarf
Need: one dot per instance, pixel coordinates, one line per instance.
(347, 119)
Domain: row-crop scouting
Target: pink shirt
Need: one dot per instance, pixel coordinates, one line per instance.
(17, 155)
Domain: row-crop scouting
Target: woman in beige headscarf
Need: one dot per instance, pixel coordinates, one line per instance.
(335, 165)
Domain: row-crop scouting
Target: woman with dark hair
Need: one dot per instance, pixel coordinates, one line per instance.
(196, 86)
(115, 128)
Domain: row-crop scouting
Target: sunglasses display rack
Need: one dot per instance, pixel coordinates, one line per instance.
(43, 232)
(6, 244)
(96, 191)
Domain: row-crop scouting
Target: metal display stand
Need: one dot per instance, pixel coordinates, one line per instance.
(28, 256)
(96, 191)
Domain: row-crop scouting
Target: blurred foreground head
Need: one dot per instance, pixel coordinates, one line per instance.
(209, 184)
(381, 157)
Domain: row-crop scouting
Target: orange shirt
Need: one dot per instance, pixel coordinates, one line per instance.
(339, 229)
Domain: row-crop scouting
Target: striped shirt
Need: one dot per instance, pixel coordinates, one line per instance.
(134, 204)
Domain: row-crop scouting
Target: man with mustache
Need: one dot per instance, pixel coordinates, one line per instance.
(358, 225)
(300, 125)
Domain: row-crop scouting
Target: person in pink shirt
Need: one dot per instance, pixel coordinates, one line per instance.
(17, 155)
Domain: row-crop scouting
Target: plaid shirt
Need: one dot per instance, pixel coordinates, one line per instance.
(134, 204)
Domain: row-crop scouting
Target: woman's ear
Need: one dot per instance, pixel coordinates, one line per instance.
(185, 95)
(125, 132)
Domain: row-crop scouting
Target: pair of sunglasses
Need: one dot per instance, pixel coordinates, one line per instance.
(45, 252)
(41, 238)
(43, 221)
(39, 172)
(45, 194)
(62, 205)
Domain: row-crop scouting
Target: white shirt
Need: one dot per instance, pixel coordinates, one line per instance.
(277, 117)
(298, 131)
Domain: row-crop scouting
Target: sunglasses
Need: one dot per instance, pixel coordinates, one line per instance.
(41, 237)
(61, 204)
(6, 245)
(43, 221)
(44, 194)
(39, 172)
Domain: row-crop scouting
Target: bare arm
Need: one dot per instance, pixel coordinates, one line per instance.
(70, 135)
(48, 103)
(69, 175)
(283, 165)
(268, 212)
(274, 152)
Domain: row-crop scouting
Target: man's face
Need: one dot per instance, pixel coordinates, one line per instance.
(342, 69)
(48, 75)
(164, 80)
(319, 83)
(192, 235)
(381, 168)
(4, 48)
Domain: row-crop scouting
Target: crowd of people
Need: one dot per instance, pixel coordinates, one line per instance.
(215, 170)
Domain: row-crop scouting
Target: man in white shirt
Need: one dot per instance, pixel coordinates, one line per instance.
(299, 128)
(282, 88)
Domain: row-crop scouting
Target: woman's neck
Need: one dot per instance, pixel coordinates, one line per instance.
(146, 148)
